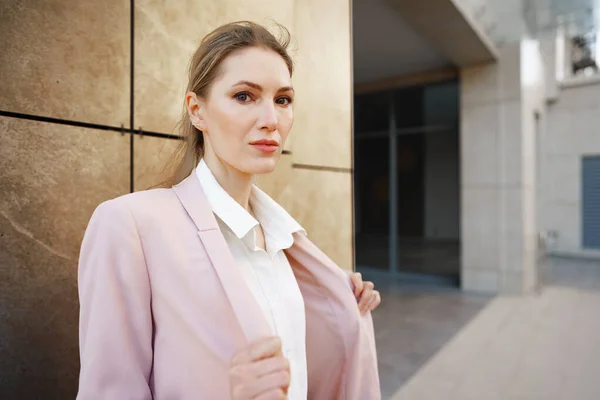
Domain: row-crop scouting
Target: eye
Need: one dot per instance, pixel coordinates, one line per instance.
(243, 97)
(284, 100)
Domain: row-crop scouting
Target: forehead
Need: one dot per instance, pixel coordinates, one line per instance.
(257, 65)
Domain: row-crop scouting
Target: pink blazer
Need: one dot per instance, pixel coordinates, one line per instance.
(164, 308)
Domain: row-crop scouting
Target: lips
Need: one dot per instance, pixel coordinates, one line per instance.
(266, 145)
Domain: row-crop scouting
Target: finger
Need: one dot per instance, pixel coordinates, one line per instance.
(272, 395)
(356, 279)
(258, 350)
(275, 381)
(269, 366)
(375, 300)
(365, 296)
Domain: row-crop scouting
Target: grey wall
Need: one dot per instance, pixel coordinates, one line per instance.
(573, 131)
(497, 184)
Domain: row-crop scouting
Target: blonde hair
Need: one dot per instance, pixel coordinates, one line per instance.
(204, 68)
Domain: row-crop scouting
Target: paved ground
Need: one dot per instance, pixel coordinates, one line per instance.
(443, 344)
(412, 324)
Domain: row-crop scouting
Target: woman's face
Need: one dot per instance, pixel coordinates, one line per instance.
(247, 115)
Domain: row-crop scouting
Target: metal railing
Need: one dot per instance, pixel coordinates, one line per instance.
(584, 54)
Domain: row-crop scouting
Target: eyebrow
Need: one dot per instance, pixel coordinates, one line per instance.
(260, 88)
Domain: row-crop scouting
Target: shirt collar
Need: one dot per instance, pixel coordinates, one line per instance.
(223, 205)
(278, 225)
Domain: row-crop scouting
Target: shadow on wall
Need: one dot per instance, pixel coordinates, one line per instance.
(39, 314)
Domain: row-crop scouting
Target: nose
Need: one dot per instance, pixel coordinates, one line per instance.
(268, 117)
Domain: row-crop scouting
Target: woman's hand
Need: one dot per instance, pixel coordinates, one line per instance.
(260, 372)
(368, 298)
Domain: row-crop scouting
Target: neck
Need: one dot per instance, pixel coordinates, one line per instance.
(237, 184)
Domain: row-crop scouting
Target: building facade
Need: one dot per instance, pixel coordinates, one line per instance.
(515, 84)
(452, 138)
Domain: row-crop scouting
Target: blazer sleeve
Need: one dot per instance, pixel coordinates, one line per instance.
(115, 324)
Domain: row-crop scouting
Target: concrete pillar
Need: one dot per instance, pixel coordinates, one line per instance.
(498, 106)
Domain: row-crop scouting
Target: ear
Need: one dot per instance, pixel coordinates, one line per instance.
(195, 107)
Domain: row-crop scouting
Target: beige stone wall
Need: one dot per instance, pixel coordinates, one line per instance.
(70, 61)
(166, 35)
(321, 199)
(533, 108)
(489, 94)
(67, 60)
(52, 178)
(498, 104)
(572, 132)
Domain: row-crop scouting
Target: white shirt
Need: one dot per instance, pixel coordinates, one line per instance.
(268, 274)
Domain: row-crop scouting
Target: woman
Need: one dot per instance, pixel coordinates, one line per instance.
(208, 289)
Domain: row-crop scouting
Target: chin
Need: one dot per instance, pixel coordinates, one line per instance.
(263, 166)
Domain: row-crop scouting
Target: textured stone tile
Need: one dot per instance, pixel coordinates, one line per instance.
(480, 281)
(322, 133)
(512, 142)
(321, 201)
(579, 98)
(326, 214)
(493, 82)
(480, 231)
(166, 36)
(150, 159)
(39, 354)
(66, 59)
(52, 178)
(479, 144)
(277, 182)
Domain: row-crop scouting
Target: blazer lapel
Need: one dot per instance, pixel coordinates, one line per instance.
(340, 343)
(246, 309)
